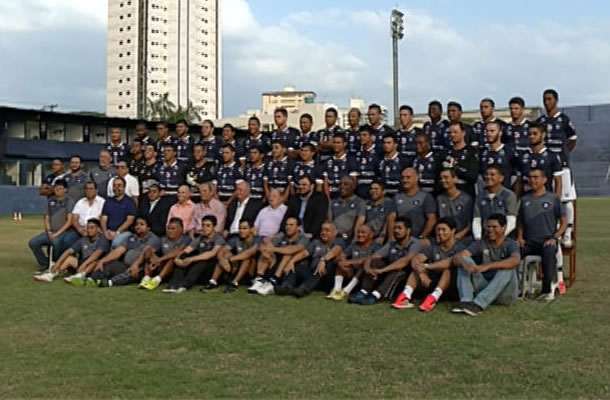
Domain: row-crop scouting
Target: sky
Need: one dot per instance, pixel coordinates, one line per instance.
(53, 51)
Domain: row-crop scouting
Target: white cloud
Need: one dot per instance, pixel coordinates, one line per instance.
(39, 15)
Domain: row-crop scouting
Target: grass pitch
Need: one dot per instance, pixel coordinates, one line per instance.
(58, 341)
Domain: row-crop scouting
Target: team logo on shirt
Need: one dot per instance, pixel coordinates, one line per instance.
(546, 205)
(415, 202)
(459, 207)
(352, 205)
(486, 252)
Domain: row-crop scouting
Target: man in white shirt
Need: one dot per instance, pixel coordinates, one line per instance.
(269, 219)
(242, 206)
(89, 207)
(132, 187)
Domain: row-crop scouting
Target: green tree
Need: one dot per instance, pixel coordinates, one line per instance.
(165, 110)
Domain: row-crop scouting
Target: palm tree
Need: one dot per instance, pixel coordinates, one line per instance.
(165, 110)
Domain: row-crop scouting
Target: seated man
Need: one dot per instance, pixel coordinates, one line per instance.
(183, 209)
(82, 256)
(377, 211)
(57, 222)
(396, 255)
(494, 198)
(319, 267)
(350, 262)
(286, 244)
(455, 204)
(87, 208)
(162, 265)
(269, 219)
(132, 186)
(542, 222)
(155, 208)
(493, 276)
(432, 267)
(236, 258)
(309, 205)
(197, 259)
(348, 211)
(118, 214)
(120, 266)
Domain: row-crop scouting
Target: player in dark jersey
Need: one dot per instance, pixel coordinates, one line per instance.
(210, 141)
(255, 138)
(463, 158)
(308, 135)
(184, 142)
(437, 127)
(516, 130)
(454, 114)
(142, 133)
(164, 139)
(390, 166)
(227, 175)
(498, 154)
(427, 164)
(136, 159)
(486, 109)
(149, 168)
(367, 161)
(338, 166)
(279, 171)
(380, 129)
(228, 137)
(308, 166)
(254, 173)
(117, 148)
(353, 131)
(289, 136)
(199, 171)
(406, 135)
(325, 136)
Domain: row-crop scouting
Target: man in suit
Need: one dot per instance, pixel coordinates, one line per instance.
(155, 208)
(242, 206)
(309, 206)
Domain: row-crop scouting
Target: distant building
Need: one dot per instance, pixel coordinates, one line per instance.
(160, 46)
(289, 98)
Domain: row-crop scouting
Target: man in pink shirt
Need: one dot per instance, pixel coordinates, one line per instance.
(209, 205)
(269, 219)
(183, 209)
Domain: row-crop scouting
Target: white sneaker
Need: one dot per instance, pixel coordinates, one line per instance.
(46, 277)
(68, 279)
(258, 283)
(546, 297)
(566, 241)
(169, 290)
(180, 290)
(266, 289)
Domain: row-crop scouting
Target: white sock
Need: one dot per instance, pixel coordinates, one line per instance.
(569, 207)
(157, 279)
(559, 259)
(146, 278)
(338, 282)
(438, 292)
(213, 282)
(408, 292)
(377, 294)
(351, 285)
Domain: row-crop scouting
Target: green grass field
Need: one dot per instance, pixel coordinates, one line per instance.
(61, 341)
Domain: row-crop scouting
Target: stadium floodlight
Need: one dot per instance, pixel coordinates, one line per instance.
(397, 29)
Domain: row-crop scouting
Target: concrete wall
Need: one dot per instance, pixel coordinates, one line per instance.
(21, 198)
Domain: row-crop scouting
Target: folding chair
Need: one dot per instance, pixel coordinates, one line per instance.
(529, 274)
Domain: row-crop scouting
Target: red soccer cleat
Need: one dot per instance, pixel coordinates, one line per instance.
(428, 304)
(402, 301)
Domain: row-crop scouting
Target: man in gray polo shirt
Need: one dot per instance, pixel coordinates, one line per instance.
(540, 214)
(57, 222)
(495, 199)
(348, 211)
(377, 211)
(455, 204)
(102, 174)
(416, 205)
(75, 178)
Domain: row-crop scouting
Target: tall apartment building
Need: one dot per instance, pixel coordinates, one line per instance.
(163, 46)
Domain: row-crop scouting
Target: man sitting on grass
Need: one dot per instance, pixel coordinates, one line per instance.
(432, 267)
(236, 258)
(492, 278)
(396, 255)
(197, 259)
(82, 256)
(161, 266)
(119, 267)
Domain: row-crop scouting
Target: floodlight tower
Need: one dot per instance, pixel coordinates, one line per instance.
(397, 29)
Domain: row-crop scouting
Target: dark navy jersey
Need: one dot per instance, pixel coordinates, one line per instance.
(353, 140)
(336, 168)
(159, 146)
(170, 177)
(51, 178)
(559, 131)
(290, 137)
(504, 158)
(184, 149)
(379, 133)
(546, 160)
(279, 174)
(146, 140)
(469, 135)
(262, 140)
(367, 162)
(479, 133)
(465, 165)
(239, 150)
(136, 166)
(197, 175)
(406, 143)
(225, 179)
(327, 134)
(148, 172)
(118, 153)
(438, 134)
(311, 168)
(516, 136)
(212, 148)
(254, 176)
(428, 169)
(311, 137)
(388, 171)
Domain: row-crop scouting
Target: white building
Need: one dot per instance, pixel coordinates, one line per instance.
(163, 46)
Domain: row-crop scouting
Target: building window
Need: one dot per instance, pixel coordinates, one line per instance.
(120, 107)
(120, 81)
(127, 105)
(120, 29)
(120, 93)
(121, 55)
(129, 28)
(128, 66)
(120, 17)
(120, 42)
(128, 41)
(128, 93)
(120, 67)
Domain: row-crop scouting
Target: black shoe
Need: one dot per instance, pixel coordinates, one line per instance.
(459, 307)
(472, 309)
(208, 286)
(282, 290)
(299, 292)
(230, 288)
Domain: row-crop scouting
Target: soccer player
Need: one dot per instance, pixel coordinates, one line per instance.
(406, 135)
(210, 142)
(308, 135)
(142, 133)
(75, 178)
(538, 156)
(367, 161)
(136, 159)
(414, 204)
(350, 262)
(81, 256)
(255, 138)
(57, 222)
(198, 259)
(427, 164)
(431, 267)
(118, 214)
(132, 187)
(170, 173)
(183, 210)
(255, 172)
(486, 108)
(102, 174)
(494, 199)
(561, 140)
(228, 137)
(487, 270)
(227, 174)
(158, 267)
(89, 207)
(57, 170)
(353, 131)
(542, 222)
(326, 146)
(284, 246)
(516, 130)
(380, 129)
(498, 154)
(309, 206)
(278, 171)
(184, 142)
(395, 257)
(437, 127)
(314, 266)
(337, 167)
(290, 137)
(453, 203)
(199, 171)
(149, 169)
(377, 211)
(269, 219)
(454, 114)
(390, 166)
(347, 211)
(163, 139)
(117, 149)
(308, 166)
(462, 158)
(237, 258)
